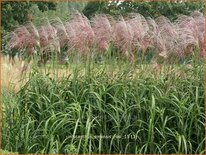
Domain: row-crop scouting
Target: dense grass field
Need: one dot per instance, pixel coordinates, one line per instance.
(106, 107)
(104, 84)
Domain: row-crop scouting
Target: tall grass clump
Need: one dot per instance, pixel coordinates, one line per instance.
(132, 37)
(132, 85)
(126, 110)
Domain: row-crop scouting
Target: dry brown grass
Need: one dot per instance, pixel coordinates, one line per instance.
(11, 74)
(12, 77)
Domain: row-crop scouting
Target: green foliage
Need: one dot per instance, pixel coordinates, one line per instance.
(14, 13)
(136, 110)
(63, 11)
(7, 152)
(45, 6)
(147, 9)
(76, 5)
(17, 13)
(94, 7)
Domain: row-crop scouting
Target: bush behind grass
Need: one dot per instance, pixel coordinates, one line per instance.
(127, 111)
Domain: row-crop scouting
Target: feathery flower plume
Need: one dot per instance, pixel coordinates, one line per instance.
(22, 39)
(200, 21)
(149, 38)
(61, 32)
(123, 36)
(78, 34)
(48, 36)
(139, 28)
(84, 35)
(188, 34)
(168, 34)
(102, 30)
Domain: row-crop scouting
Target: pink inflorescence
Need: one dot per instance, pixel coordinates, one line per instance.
(127, 34)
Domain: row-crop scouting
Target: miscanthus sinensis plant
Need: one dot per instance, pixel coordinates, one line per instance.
(129, 35)
(110, 110)
(114, 107)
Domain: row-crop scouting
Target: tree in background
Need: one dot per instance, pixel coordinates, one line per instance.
(95, 7)
(17, 13)
(76, 6)
(152, 9)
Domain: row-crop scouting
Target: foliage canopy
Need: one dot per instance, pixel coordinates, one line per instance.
(17, 13)
(148, 9)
